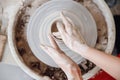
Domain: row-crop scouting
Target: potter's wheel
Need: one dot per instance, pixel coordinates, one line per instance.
(40, 26)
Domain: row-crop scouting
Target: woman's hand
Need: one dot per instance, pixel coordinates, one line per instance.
(71, 36)
(70, 68)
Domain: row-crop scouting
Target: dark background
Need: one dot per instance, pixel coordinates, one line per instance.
(115, 8)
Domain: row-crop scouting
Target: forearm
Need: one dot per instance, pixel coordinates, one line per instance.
(109, 63)
(75, 42)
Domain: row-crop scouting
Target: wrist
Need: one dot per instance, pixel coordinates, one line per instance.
(74, 73)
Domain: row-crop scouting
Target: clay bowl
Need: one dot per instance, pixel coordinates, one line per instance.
(105, 42)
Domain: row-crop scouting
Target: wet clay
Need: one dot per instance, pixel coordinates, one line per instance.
(39, 67)
(100, 22)
(3, 40)
(54, 27)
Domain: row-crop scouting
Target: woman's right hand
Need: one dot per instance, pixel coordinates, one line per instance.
(70, 35)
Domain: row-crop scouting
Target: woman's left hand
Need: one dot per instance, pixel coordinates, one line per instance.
(70, 68)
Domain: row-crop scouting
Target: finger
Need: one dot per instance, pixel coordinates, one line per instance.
(60, 28)
(70, 21)
(82, 40)
(53, 42)
(67, 22)
(52, 52)
(44, 48)
(64, 19)
(57, 35)
(49, 50)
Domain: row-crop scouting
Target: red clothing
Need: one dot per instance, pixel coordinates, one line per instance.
(102, 75)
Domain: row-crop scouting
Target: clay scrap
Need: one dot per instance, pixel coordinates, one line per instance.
(3, 39)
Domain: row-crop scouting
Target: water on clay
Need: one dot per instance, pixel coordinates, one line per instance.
(39, 67)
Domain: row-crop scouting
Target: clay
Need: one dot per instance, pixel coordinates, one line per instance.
(39, 67)
(3, 39)
(100, 22)
(79, 0)
(54, 28)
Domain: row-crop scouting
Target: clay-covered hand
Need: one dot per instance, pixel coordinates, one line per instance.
(70, 68)
(71, 35)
